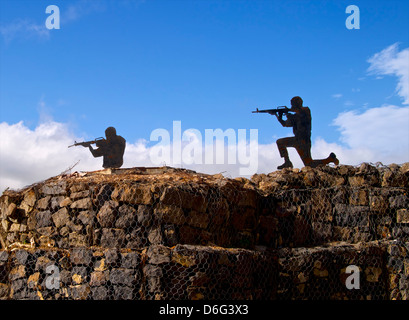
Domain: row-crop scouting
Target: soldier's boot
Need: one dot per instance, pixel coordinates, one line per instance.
(333, 158)
(286, 164)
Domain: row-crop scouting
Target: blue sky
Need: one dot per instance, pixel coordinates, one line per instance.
(139, 65)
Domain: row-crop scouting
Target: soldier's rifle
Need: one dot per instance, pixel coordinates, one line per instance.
(279, 110)
(87, 143)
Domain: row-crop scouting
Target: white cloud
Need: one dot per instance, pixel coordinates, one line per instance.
(24, 29)
(337, 95)
(28, 156)
(383, 132)
(390, 61)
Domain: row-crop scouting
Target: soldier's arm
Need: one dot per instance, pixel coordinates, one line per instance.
(285, 123)
(95, 152)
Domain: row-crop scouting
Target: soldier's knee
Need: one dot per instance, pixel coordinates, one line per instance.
(280, 142)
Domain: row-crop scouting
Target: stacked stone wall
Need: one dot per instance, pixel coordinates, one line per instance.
(164, 233)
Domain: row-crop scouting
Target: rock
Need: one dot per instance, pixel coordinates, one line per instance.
(61, 217)
(54, 188)
(197, 219)
(99, 293)
(21, 256)
(184, 260)
(80, 194)
(170, 236)
(359, 197)
(11, 209)
(373, 274)
(130, 260)
(378, 201)
(43, 219)
(65, 277)
(65, 202)
(80, 292)
(199, 279)
(17, 272)
(170, 214)
(150, 270)
(402, 216)
(134, 194)
(5, 225)
(104, 194)
(79, 275)
(123, 293)
(86, 217)
(153, 275)
(112, 238)
(174, 196)
(100, 265)
(351, 216)
(33, 280)
(404, 169)
(29, 200)
(158, 254)
(106, 216)
(81, 255)
(126, 217)
(4, 255)
(46, 232)
(42, 263)
(56, 202)
(43, 203)
(4, 291)
(82, 204)
(18, 290)
(155, 236)
(111, 257)
(399, 201)
(77, 240)
(247, 198)
(144, 215)
(16, 227)
(122, 276)
(79, 186)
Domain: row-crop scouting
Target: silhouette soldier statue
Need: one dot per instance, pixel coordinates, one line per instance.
(300, 121)
(111, 149)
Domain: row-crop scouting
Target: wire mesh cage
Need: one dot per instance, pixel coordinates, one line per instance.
(165, 233)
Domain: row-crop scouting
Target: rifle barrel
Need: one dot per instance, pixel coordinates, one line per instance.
(282, 109)
(86, 142)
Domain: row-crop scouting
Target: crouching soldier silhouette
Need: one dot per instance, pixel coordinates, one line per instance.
(300, 121)
(111, 149)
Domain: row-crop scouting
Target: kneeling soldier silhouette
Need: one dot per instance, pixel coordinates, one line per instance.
(300, 121)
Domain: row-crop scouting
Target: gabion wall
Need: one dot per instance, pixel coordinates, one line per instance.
(164, 233)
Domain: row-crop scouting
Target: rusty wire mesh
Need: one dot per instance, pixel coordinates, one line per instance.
(183, 235)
